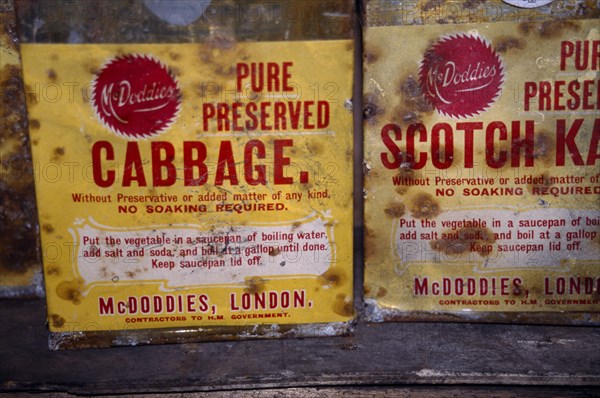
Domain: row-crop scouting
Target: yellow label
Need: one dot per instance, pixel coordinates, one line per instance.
(482, 167)
(186, 185)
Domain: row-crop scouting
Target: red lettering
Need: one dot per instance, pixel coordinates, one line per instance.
(107, 306)
(593, 153)
(133, 167)
(97, 149)
(491, 160)
(421, 287)
(270, 76)
(308, 115)
(530, 92)
(566, 140)
(517, 143)
(279, 113)
(226, 165)
(280, 161)
(447, 150)
(208, 112)
(159, 164)
(249, 168)
(394, 150)
(190, 303)
(192, 163)
(469, 129)
(322, 114)
(566, 51)
(410, 146)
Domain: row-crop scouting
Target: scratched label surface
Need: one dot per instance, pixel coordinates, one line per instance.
(186, 185)
(482, 168)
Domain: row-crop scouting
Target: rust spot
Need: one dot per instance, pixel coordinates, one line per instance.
(57, 320)
(34, 124)
(431, 4)
(342, 305)
(402, 189)
(274, 251)
(424, 206)
(540, 182)
(505, 43)
(70, 291)
(405, 171)
(414, 105)
(470, 4)
(381, 292)
(255, 284)
(31, 98)
(548, 29)
(174, 71)
(413, 95)
(315, 147)
(596, 240)
(525, 27)
(371, 109)
(174, 56)
(47, 228)
(296, 225)
(554, 28)
(53, 270)
(545, 146)
(226, 71)
(371, 246)
(59, 151)
(51, 73)
(366, 289)
(371, 56)
(395, 210)
(331, 277)
(463, 240)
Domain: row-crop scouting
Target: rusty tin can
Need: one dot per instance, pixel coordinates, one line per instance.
(482, 164)
(193, 158)
(20, 258)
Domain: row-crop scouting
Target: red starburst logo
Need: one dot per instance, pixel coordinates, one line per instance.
(461, 75)
(135, 96)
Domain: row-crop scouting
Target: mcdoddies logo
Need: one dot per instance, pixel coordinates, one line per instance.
(461, 75)
(135, 96)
